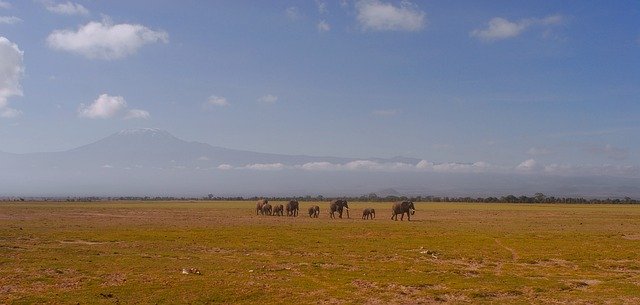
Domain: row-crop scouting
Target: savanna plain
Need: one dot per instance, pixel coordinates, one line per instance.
(222, 252)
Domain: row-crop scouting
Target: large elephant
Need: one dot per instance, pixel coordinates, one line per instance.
(259, 205)
(278, 210)
(368, 214)
(292, 208)
(402, 208)
(338, 206)
(314, 211)
(266, 209)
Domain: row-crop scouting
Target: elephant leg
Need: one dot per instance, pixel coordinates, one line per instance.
(408, 216)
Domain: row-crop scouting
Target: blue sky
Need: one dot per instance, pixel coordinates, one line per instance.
(534, 84)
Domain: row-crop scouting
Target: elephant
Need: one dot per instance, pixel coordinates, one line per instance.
(292, 208)
(278, 210)
(314, 211)
(266, 209)
(368, 214)
(337, 206)
(259, 205)
(402, 208)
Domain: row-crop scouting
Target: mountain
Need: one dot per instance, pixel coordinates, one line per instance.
(153, 162)
(158, 148)
(151, 148)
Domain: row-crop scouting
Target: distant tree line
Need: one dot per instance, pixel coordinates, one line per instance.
(537, 198)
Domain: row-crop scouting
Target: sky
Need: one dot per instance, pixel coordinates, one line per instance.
(551, 85)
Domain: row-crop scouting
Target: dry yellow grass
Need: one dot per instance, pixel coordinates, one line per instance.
(135, 252)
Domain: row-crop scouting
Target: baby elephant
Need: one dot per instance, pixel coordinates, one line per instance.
(266, 209)
(368, 214)
(314, 211)
(278, 210)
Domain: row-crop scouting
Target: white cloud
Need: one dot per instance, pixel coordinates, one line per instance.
(386, 112)
(105, 106)
(323, 26)
(5, 5)
(225, 167)
(11, 72)
(107, 166)
(292, 13)
(217, 101)
(379, 16)
(268, 99)
(9, 20)
(203, 158)
(104, 40)
(319, 166)
(375, 166)
(137, 114)
(9, 113)
(66, 8)
(422, 166)
(264, 166)
(477, 167)
(528, 165)
(358, 165)
(500, 28)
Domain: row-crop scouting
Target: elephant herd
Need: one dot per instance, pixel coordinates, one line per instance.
(336, 209)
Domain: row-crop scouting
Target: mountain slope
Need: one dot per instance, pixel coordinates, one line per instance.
(155, 148)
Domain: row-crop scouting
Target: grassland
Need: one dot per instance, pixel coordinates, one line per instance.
(134, 252)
